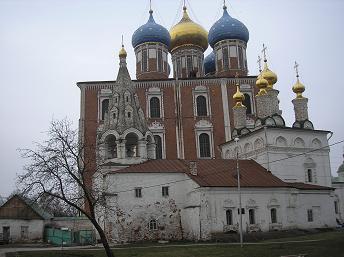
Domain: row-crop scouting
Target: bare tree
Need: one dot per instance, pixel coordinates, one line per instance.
(59, 167)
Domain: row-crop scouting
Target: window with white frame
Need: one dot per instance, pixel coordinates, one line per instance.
(273, 214)
(138, 192)
(201, 104)
(154, 104)
(252, 216)
(229, 217)
(164, 190)
(105, 108)
(309, 175)
(204, 145)
(153, 224)
(158, 147)
(310, 217)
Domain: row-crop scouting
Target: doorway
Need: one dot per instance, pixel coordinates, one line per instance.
(6, 234)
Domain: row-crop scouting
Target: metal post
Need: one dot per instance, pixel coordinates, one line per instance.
(239, 192)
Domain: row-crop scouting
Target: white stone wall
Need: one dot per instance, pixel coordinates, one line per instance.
(291, 206)
(273, 148)
(35, 229)
(339, 196)
(127, 217)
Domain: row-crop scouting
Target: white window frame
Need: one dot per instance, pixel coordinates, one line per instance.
(201, 91)
(154, 92)
(206, 128)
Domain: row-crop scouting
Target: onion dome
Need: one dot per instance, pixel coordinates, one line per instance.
(209, 63)
(151, 32)
(122, 53)
(187, 32)
(227, 28)
(238, 97)
(269, 75)
(262, 84)
(298, 88)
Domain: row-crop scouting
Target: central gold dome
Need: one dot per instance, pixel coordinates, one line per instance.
(187, 32)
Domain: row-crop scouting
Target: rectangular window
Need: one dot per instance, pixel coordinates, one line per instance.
(336, 207)
(229, 217)
(310, 215)
(164, 191)
(144, 60)
(232, 51)
(189, 65)
(241, 62)
(138, 192)
(309, 175)
(225, 58)
(159, 60)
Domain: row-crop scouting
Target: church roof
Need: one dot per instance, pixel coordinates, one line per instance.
(218, 173)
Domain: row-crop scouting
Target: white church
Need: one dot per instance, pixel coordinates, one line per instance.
(285, 175)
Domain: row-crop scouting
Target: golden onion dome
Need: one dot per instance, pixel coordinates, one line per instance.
(298, 88)
(269, 75)
(187, 32)
(262, 84)
(238, 97)
(122, 53)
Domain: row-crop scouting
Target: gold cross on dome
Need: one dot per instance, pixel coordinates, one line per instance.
(150, 5)
(184, 3)
(264, 52)
(122, 41)
(296, 67)
(259, 61)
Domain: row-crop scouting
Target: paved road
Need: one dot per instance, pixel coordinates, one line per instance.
(3, 251)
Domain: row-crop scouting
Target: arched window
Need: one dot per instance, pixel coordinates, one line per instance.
(153, 225)
(229, 217)
(154, 107)
(201, 103)
(110, 147)
(247, 103)
(158, 148)
(273, 213)
(131, 145)
(105, 108)
(251, 216)
(204, 145)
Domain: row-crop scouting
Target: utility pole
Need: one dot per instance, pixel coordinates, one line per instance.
(239, 192)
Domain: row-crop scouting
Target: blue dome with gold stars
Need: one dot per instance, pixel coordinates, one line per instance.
(227, 28)
(209, 63)
(151, 32)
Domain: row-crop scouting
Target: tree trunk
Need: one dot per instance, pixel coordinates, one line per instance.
(103, 239)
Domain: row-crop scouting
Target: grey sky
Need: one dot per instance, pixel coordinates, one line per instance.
(46, 46)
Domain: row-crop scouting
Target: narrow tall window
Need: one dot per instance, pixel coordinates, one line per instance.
(138, 192)
(144, 60)
(247, 103)
(164, 191)
(204, 145)
(225, 58)
(189, 66)
(201, 103)
(158, 147)
(309, 175)
(105, 108)
(251, 216)
(229, 217)
(273, 213)
(179, 68)
(336, 207)
(154, 107)
(241, 62)
(310, 215)
(159, 60)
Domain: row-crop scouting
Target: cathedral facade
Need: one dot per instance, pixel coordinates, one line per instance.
(166, 147)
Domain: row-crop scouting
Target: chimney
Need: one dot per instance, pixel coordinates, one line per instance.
(193, 168)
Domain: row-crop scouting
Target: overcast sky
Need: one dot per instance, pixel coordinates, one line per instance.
(46, 46)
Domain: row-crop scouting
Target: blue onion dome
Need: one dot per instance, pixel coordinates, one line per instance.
(227, 28)
(209, 63)
(151, 32)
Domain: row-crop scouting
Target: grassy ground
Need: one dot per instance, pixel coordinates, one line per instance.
(331, 245)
